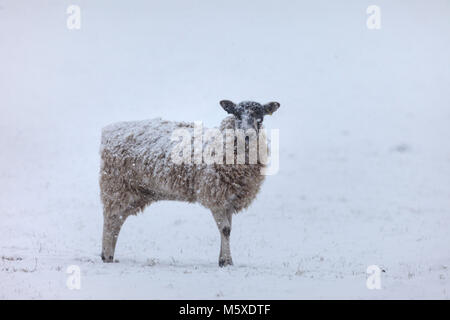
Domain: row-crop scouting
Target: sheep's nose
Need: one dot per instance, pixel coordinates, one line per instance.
(252, 123)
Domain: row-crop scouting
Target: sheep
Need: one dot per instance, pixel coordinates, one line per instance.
(137, 169)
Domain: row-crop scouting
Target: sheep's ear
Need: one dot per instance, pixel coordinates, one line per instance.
(228, 106)
(271, 107)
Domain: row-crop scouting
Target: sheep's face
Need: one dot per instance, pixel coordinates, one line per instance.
(249, 114)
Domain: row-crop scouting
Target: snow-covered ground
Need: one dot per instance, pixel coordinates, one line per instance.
(364, 125)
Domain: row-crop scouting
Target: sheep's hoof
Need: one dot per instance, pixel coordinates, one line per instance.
(223, 262)
(107, 260)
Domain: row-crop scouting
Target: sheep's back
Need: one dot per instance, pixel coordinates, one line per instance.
(141, 139)
(136, 155)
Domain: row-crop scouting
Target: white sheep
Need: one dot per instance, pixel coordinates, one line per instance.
(137, 169)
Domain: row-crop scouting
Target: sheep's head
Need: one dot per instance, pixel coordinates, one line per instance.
(249, 114)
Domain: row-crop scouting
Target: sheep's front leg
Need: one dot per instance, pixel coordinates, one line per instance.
(111, 228)
(223, 221)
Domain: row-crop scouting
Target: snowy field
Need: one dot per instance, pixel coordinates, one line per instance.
(364, 125)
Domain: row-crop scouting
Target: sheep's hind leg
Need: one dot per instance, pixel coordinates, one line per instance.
(223, 221)
(112, 222)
